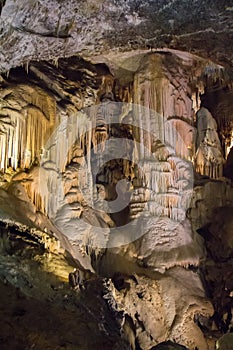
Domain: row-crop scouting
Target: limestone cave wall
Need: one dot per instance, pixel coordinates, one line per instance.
(116, 160)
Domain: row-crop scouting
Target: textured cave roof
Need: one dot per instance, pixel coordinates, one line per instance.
(48, 29)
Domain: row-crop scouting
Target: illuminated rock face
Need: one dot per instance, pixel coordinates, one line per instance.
(27, 118)
(105, 163)
(155, 124)
(209, 159)
(157, 304)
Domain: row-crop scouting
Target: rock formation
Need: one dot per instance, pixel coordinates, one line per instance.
(116, 159)
(209, 159)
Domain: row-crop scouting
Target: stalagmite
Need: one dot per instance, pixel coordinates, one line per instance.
(209, 159)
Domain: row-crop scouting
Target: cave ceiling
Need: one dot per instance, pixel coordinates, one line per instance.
(117, 34)
(37, 30)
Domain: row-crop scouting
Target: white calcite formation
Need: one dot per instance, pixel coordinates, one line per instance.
(209, 159)
(152, 131)
(26, 118)
(111, 166)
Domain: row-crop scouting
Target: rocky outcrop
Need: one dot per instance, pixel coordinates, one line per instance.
(38, 307)
(225, 342)
(208, 196)
(157, 310)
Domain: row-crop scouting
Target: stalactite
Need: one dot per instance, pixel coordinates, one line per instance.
(27, 117)
(164, 149)
(160, 142)
(104, 114)
(75, 186)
